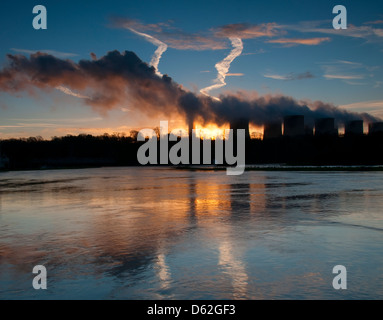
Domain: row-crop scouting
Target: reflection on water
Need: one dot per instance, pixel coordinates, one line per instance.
(233, 266)
(162, 233)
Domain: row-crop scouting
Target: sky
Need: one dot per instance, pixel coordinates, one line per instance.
(207, 47)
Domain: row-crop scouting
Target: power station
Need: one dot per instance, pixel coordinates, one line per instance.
(272, 130)
(375, 127)
(325, 127)
(354, 128)
(241, 123)
(294, 126)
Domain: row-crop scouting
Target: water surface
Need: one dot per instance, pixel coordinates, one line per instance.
(162, 233)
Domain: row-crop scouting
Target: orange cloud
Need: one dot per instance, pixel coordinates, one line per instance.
(235, 74)
(296, 41)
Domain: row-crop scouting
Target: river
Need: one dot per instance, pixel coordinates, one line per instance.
(163, 233)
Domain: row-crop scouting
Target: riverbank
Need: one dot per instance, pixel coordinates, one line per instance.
(265, 167)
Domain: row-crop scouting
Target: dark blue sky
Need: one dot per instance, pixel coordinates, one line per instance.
(302, 56)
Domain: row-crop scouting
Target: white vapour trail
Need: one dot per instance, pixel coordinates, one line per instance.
(71, 93)
(224, 66)
(162, 47)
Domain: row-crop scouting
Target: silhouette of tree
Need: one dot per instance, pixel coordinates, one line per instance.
(134, 134)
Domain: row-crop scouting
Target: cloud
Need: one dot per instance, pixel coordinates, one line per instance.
(296, 41)
(128, 23)
(373, 107)
(235, 74)
(356, 83)
(305, 75)
(211, 40)
(349, 71)
(248, 31)
(252, 53)
(172, 36)
(343, 76)
(290, 76)
(374, 22)
(60, 120)
(275, 76)
(51, 52)
(351, 63)
(186, 41)
(363, 32)
(31, 125)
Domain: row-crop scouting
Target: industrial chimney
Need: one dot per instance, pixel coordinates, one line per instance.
(240, 124)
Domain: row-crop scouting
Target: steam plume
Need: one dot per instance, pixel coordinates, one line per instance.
(224, 66)
(71, 93)
(114, 79)
(162, 47)
(109, 82)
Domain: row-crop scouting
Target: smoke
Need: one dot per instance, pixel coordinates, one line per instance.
(260, 110)
(224, 66)
(117, 78)
(93, 56)
(162, 47)
(109, 82)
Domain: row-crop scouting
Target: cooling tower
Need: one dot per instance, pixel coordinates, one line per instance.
(354, 128)
(294, 126)
(375, 127)
(325, 126)
(272, 130)
(240, 124)
(309, 131)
